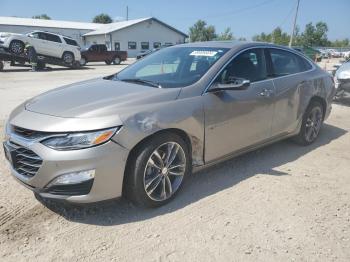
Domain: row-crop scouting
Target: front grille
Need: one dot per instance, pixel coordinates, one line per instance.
(26, 133)
(25, 161)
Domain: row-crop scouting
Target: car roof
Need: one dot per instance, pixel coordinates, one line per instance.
(40, 31)
(230, 44)
(237, 45)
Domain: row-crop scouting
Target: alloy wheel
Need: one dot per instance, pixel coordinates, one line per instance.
(17, 48)
(68, 58)
(164, 171)
(313, 124)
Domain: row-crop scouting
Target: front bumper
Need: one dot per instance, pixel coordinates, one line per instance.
(108, 161)
(343, 84)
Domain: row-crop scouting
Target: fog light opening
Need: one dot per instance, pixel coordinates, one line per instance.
(73, 178)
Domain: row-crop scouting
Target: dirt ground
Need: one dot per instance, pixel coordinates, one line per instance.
(280, 203)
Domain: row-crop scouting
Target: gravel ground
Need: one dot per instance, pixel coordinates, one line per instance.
(280, 203)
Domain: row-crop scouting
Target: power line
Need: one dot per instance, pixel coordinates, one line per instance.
(287, 16)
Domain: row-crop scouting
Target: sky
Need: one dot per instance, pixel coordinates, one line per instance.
(245, 17)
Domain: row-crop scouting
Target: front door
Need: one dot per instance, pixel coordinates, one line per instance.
(237, 119)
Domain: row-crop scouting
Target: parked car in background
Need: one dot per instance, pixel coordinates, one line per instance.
(99, 53)
(142, 131)
(310, 52)
(45, 43)
(346, 55)
(334, 53)
(146, 53)
(342, 80)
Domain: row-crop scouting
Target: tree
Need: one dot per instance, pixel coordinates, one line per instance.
(277, 36)
(201, 32)
(43, 16)
(340, 43)
(102, 19)
(315, 35)
(226, 35)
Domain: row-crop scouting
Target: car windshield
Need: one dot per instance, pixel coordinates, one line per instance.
(172, 67)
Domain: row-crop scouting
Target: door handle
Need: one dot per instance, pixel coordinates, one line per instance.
(265, 93)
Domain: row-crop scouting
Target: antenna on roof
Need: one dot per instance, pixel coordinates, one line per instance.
(127, 13)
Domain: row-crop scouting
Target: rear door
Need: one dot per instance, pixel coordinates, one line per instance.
(49, 44)
(56, 45)
(290, 78)
(238, 119)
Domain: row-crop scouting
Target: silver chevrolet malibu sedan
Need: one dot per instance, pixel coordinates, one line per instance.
(141, 132)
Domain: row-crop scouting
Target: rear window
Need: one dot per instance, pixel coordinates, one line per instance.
(70, 41)
(286, 63)
(102, 48)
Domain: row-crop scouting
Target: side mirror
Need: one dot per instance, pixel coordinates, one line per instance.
(233, 84)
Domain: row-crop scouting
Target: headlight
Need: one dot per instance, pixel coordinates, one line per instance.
(82, 140)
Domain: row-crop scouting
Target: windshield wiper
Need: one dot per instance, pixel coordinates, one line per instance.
(141, 81)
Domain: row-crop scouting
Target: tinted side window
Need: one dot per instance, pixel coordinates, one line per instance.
(53, 38)
(94, 48)
(248, 65)
(42, 36)
(286, 63)
(70, 41)
(102, 48)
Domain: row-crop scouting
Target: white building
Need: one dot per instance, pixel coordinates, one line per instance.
(132, 35)
(135, 35)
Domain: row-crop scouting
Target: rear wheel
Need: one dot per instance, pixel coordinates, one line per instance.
(117, 60)
(68, 58)
(83, 61)
(157, 170)
(16, 47)
(108, 62)
(311, 125)
(1, 65)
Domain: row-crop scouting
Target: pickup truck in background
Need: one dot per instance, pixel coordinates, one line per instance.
(99, 53)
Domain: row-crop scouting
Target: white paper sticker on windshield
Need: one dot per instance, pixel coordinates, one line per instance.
(204, 53)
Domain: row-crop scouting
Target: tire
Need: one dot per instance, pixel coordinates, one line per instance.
(1, 66)
(108, 62)
(83, 61)
(16, 47)
(149, 181)
(117, 60)
(68, 58)
(311, 124)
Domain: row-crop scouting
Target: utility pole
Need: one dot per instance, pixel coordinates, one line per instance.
(294, 25)
(127, 13)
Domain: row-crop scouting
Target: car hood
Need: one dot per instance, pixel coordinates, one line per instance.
(343, 71)
(7, 34)
(97, 98)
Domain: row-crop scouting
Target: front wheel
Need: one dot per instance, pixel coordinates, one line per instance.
(16, 47)
(311, 124)
(157, 170)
